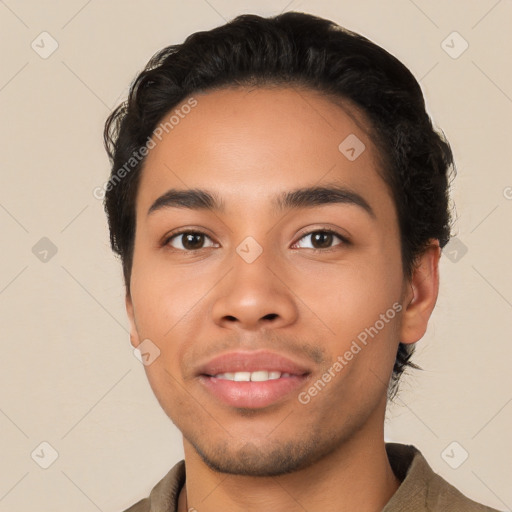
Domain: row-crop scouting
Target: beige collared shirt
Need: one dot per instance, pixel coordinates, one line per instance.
(421, 489)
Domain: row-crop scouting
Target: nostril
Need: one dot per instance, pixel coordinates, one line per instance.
(270, 316)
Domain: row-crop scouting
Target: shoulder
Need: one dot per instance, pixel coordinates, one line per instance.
(422, 489)
(164, 495)
(141, 506)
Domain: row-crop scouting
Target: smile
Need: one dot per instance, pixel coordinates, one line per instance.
(257, 376)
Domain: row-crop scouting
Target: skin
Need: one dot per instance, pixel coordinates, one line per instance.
(246, 146)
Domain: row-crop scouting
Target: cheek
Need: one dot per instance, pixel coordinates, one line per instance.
(165, 295)
(170, 304)
(342, 300)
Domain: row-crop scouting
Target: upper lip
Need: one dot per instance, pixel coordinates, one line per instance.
(251, 361)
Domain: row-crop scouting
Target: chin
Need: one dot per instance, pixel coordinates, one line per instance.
(269, 461)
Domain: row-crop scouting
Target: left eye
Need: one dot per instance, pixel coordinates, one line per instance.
(320, 240)
(190, 241)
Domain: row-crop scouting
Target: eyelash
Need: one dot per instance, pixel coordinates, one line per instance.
(343, 239)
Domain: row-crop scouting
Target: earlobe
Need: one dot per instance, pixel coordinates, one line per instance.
(422, 297)
(134, 337)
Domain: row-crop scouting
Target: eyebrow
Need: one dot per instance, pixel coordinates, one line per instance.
(307, 197)
(193, 199)
(310, 197)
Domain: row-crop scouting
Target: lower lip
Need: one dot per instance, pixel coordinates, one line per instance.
(252, 395)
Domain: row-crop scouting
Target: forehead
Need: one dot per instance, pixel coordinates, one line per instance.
(247, 145)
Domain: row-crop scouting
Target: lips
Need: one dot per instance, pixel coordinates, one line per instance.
(252, 379)
(234, 362)
(257, 376)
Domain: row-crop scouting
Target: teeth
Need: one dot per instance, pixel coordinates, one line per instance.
(258, 376)
(242, 376)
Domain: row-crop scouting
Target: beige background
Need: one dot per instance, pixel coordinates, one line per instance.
(68, 374)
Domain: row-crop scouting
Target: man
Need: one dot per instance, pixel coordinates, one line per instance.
(279, 200)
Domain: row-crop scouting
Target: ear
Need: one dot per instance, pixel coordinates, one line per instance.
(421, 295)
(134, 336)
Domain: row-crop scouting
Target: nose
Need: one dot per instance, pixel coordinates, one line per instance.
(253, 296)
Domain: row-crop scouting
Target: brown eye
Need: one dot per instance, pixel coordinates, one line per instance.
(189, 241)
(193, 241)
(322, 239)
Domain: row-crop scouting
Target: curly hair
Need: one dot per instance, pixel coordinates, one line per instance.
(292, 49)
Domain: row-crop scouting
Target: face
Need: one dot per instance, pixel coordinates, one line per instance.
(285, 262)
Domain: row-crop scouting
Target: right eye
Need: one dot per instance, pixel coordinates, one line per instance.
(189, 241)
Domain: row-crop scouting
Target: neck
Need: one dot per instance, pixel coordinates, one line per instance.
(356, 476)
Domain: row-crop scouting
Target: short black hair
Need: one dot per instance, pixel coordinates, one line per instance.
(292, 49)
